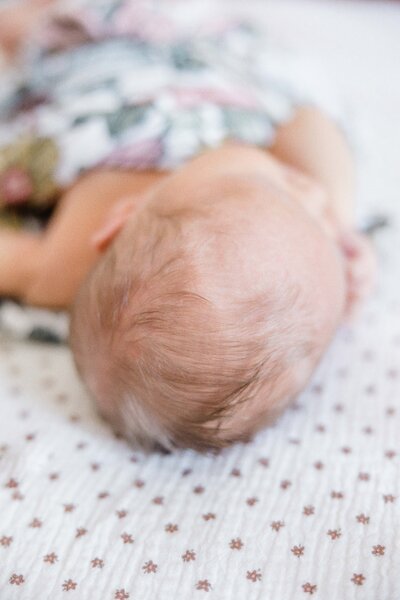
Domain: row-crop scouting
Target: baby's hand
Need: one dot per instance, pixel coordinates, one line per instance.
(361, 269)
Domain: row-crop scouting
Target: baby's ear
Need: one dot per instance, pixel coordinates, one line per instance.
(113, 223)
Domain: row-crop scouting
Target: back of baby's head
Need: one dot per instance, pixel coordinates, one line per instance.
(176, 349)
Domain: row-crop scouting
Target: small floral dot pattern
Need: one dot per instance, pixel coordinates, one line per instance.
(308, 508)
(94, 503)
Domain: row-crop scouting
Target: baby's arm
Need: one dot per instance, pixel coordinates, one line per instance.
(313, 144)
(46, 270)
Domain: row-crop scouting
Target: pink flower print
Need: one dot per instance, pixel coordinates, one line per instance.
(309, 588)
(298, 551)
(277, 525)
(17, 579)
(337, 495)
(285, 484)
(308, 510)
(388, 498)
(171, 527)
(121, 595)
(121, 513)
(5, 541)
(97, 563)
(294, 441)
(358, 578)
(209, 516)
(17, 495)
(150, 567)
(50, 558)
(127, 538)
(69, 585)
(15, 186)
(254, 575)
(189, 555)
(35, 524)
(361, 518)
(378, 550)
(264, 462)
(252, 501)
(390, 454)
(334, 534)
(203, 584)
(12, 483)
(236, 544)
(158, 500)
(81, 531)
(139, 483)
(103, 495)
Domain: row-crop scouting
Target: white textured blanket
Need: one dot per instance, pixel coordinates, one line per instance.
(310, 508)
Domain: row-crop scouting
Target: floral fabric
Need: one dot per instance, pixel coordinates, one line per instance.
(122, 85)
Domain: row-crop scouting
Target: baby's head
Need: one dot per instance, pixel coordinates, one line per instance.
(208, 312)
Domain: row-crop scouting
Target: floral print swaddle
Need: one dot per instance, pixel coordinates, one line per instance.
(118, 84)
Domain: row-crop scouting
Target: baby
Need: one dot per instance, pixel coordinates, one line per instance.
(204, 286)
